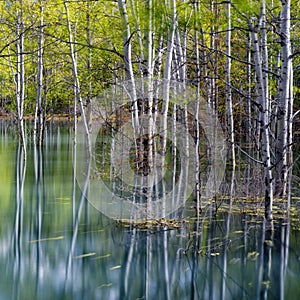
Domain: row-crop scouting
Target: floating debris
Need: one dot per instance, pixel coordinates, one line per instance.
(115, 267)
(164, 223)
(56, 238)
(105, 285)
(85, 255)
(102, 256)
(252, 255)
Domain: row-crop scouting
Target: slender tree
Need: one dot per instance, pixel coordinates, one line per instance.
(127, 48)
(264, 117)
(75, 75)
(229, 106)
(38, 115)
(167, 74)
(20, 71)
(284, 102)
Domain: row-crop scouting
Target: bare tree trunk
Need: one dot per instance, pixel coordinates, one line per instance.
(89, 65)
(214, 59)
(249, 92)
(285, 100)
(229, 107)
(150, 115)
(167, 76)
(130, 85)
(264, 121)
(128, 62)
(197, 108)
(75, 75)
(134, 7)
(290, 140)
(160, 56)
(38, 116)
(20, 74)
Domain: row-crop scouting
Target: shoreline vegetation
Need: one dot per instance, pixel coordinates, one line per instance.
(30, 117)
(4, 115)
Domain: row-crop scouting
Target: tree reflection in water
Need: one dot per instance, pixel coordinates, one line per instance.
(48, 251)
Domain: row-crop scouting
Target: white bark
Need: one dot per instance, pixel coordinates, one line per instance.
(249, 92)
(130, 84)
(38, 116)
(264, 122)
(75, 76)
(229, 107)
(264, 56)
(150, 92)
(134, 8)
(89, 64)
(160, 56)
(290, 140)
(127, 48)
(197, 127)
(285, 100)
(20, 74)
(167, 76)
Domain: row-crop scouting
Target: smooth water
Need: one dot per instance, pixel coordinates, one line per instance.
(55, 245)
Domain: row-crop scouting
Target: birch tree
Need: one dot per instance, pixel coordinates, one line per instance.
(264, 117)
(197, 108)
(75, 75)
(284, 103)
(20, 71)
(229, 106)
(127, 48)
(150, 92)
(38, 115)
(167, 75)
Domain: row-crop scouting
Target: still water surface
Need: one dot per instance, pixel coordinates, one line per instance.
(55, 245)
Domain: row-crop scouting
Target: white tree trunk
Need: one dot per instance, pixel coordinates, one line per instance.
(38, 115)
(285, 100)
(135, 12)
(229, 107)
(167, 76)
(150, 92)
(264, 122)
(128, 62)
(197, 198)
(75, 76)
(20, 74)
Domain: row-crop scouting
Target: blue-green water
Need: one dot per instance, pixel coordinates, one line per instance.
(55, 245)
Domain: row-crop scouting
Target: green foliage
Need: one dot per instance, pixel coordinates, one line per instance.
(98, 33)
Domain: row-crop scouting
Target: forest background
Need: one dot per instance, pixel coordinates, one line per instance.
(241, 56)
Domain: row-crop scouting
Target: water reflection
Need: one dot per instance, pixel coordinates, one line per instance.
(53, 244)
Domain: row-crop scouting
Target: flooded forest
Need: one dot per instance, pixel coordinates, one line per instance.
(149, 149)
